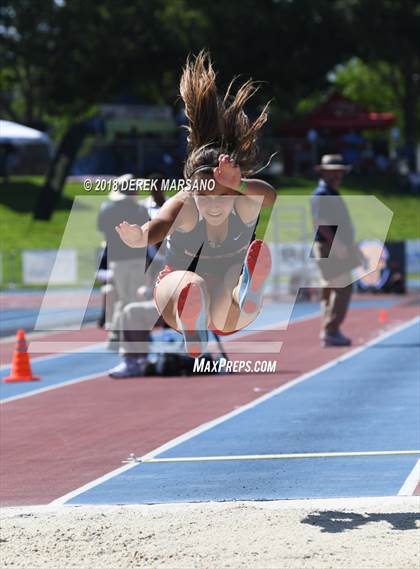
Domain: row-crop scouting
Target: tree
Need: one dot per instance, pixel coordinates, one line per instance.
(388, 31)
(63, 57)
(286, 43)
(29, 35)
(377, 87)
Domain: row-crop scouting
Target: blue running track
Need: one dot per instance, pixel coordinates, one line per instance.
(367, 402)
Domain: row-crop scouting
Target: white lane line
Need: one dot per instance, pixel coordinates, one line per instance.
(284, 456)
(209, 425)
(91, 376)
(410, 484)
(51, 387)
(36, 334)
(283, 325)
(86, 346)
(258, 346)
(262, 347)
(94, 347)
(235, 342)
(60, 501)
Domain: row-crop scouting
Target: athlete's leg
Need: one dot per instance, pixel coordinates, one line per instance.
(182, 300)
(225, 313)
(257, 266)
(239, 299)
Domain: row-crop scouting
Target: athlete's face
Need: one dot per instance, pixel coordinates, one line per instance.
(214, 209)
(215, 205)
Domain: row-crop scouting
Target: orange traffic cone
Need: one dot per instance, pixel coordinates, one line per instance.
(21, 366)
(383, 316)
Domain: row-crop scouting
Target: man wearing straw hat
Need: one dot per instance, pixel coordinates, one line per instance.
(336, 276)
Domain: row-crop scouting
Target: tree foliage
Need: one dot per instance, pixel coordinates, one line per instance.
(388, 32)
(376, 86)
(63, 56)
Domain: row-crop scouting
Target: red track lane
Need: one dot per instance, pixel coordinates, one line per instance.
(55, 442)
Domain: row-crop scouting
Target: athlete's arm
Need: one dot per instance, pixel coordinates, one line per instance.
(255, 193)
(177, 213)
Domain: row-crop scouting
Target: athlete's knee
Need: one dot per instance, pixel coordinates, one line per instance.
(195, 280)
(192, 278)
(223, 323)
(225, 328)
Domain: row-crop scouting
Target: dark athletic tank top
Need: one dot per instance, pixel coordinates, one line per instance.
(191, 250)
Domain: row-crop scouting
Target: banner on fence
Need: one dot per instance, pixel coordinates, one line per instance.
(412, 256)
(49, 267)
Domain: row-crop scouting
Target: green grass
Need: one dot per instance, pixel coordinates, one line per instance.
(19, 231)
(406, 220)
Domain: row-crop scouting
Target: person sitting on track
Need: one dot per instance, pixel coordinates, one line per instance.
(215, 268)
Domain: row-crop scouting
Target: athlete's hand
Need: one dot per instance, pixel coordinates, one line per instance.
(227, 173)
(131, 234)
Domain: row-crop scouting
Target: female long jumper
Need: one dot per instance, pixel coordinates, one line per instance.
(215, 268)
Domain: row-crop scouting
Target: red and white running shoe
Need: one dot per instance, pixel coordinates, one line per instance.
(257, 267)
(192, 314)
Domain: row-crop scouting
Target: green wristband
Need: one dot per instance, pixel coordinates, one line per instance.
(243, 186)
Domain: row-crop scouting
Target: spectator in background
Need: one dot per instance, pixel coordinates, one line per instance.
(136, 321)
(153, 203)
(138, 317)
(104, 276)
(336, 291)
(127, 264)
(157, 198)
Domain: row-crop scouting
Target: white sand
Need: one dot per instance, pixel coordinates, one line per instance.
(375, 533)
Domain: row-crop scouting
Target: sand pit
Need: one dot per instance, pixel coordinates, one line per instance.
(317, 534)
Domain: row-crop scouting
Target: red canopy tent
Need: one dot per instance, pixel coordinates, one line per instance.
(338, 114)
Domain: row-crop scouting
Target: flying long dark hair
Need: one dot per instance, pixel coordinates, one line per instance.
(217, 125)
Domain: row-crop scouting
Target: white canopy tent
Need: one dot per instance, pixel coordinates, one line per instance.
(19, 134)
